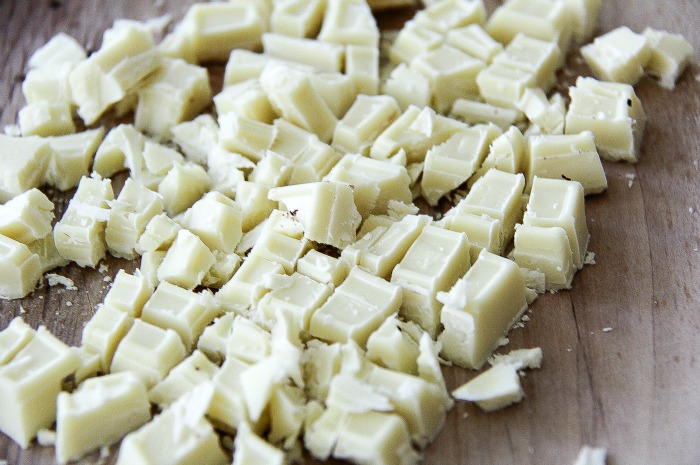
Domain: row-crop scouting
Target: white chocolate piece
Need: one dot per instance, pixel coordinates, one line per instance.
(46, 119)
(445, 15)
(451, 73)
(297, 18)
(187, 261)
(584, 15)
(496, 388)
(61, 48)
(535, 56)
(80, 423)
(612, 112)
(322, 56)
(159, 234)
(245, 136)
(408, 87)
(287, 415)
(298, 296)
(149, 352)
(128, 293)
(24, 161)
(247, 99)
(349, 22)
(670, 55)
(362, 66)
(72, 158)
(247, 341)
(507, 153)
(293, 96)
(90, 364)
(182, 187)
(246, 287)
(183, 435)
(451, 163)
(474, 112)
(272, 170)
(619, 56)
(326, 209)
(558, 202)
(104, 331)
(150, 262)
(158, 159)
(281, 249)
(214, 338)
(336, 89)
(121, 148)
(20, 269)
(48, 83)
(355, 309)
(27, 217)
(321, 362)
(222, 270)
(520, 358)
(474, 41)
(214, 30)
(198, 137)
(244, 65)
(572, 156)
(48, 253)
(177, 92)
(217, 221)
(588, 455)
(323, 268)
(432, 264)
(13, 338)
(228, 409)
(29, 384)
(412, 40)
(392, 347)
(251, 449)
(480, 309)
(547, 116)
(226, 170)
(254, 202)
(546, 250)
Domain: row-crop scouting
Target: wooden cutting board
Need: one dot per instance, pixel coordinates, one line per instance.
(621, 349)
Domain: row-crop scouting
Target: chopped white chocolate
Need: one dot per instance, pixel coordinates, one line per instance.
(81, 415)
(150, 262)
(507, 153)
(297, 18)
(13, 338)
(356, 308)
(412, 40)
(432, 264)
(196, 138)
(349, 22)
(187, 261)
(480, 309)
(363, 122)
(27, 217)
(588, 455)
(90, 364)
(246, 287)
(612, 112)
(159, 234)
(24, 161)
(243, 135)
(222, 270)
(670, 55)
(48, 83)
(619, 55)
(288, 408)
(158, 159)
(228, 409)
(217, 221)
(61, 48)
(474, 112)
(362, 66)
(445, 15)
(72, 158)
(251, 449)
(584, 16)
(547, 115)
(323, 268)
(214, 338)
(521, 358)
(298, 295)
(495, 388)
(572, 156)
(254, 202)
(392, 346)
(29, 384)
(322, 56)
(280, 248)
(20, 269)
(104, 331)
(128, 293)
(545, 249)
(48, 253)
(46, 119)
(247, 341)
(149, 352)
(535, 56)
(408, 86)
(474, 41)
(247, 99)
(121, 148)
(182, 187)
(272, 170)
(336, 89)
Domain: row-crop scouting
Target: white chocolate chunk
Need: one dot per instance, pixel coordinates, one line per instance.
(217, 220)
(61, 48)
(297, 18)
(222, 270)
(158, 159)
(46, 119)
(48, 253)
(228, 409)
(182, 187)
(128, 293)
(150, 262)
(246, 287)
(24, 161)
(198, 137)
(104, 331)
(299, 296)
(159, 234)
(247, 341)
(247, 99)
(287, 414)
(584, 15)
(336, 89)
(474, 112)
(349, 22)
(121, 148)
(474, 41)
(362, 66)
(363, 122)
(243, 135)
(20, 269)
(81, 425)
(619, 56)
(255, 205)
(322, 56)
(13, 338)
(547, 116)
(538, 57)
(280, 248)
(507, 153)
(212, 342)
(521, 358)
(72, 158)
(546, 250)
(323, 268)
(670, 55)
(444, 15)
(273, 170)
(191, 372)
(27, 217)
(591, 456)
(412, 40)
(496, 388)
(187, 261)
(392, 347)
(251, 449)
(90, 364)
(408, 86)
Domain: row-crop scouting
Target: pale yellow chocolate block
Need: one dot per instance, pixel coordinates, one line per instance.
(273, 170)
(412, 40)
(392, 347)
(46, 119)
(228, 409)
(408, 87)
(326, 209)
(247, 99)
(474, 41)
(128, 216)
(29, 384)
(323, 268)
(149, 352)
(246, 136)
(612, 112)
(356, 308)
(158, 159)
(558, 202)
(182, 187)
(150, 262)
(506, 153)
(619, 56)
(336, 89)
(320, 363)
(362, 66)
(104, 331)
(297, 18)
(49, 257)
(80, 239)
(352, 395)
(128, 293)
(321, 56)
(24, 161)
(61, 48)
(475, 112)
(484, 232)
(293, 96)
(444, 15)
(435, 261)
(247, 341)
(255, 205)
(27, 217)
(183, 435)
(187, 261)
(572, 156)
(451, 163)
(214, 30)
(670, 55)
(284, 223)
(493, 389)
(177, 92)
(281, 249)
(100, 412)
(546, 116)
(548, 20)
(322, 430)
(196, 138)
(314, 163)
(93, 198)
(159, 234)
(287, 415)
(251, 449)
(521, 358)
(217, 221)
(90, 364)
(225, 171)
(48, 83)
(503, 85)
(20, 269)
(545, 249)
(222, 270)
(291, 140)
(243, 65)
(349, 22)
(212, 342)
(480, 309)
(13, 338)
(121, 148)
(538, 57)
(298, 295)
(72, 158)
(246, 287)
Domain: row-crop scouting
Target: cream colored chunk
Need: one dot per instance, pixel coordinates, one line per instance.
(247, 341)
(228, 409)
(503, 85)
(287, 414)
(182, 187)
(48, 83)
(222, 270)
(27, 217)
(451, 163)
(294, 97)
(507, 153)
(273, 170)
(61, 48)
(13, 338)
(412, 40)
(104, 331)
(72, 158)
(158, 159)
(572, 156)
(90, 364)
(362, 66)
(480, 309)
(246, 287)
(392, 346)
(538, 57)
(251, 449)
(99, 413)
(128, 293)
(255, 206)
(213, 30)
(584, 15)
(159, 234)
(547, 115)
(474, 41)
(612, 112)
(121, 148)
(298, 295)
(191, 372)
(281, 249)
(349, 22)
(474, 112)
(297, 18)
(444, 15)
(670, 55)
(29, 384)
(183, 435)
(243, 65)
(355, 309)
(364, 121)
(545, 249)
(150, 262)
(619, 56)
(149, 352)
(323, 268)
(432, 264)
(408, 87)
(187, 261)
(336, 89)
(20, 269)
(217, 221)
(322, 56)
(243, 135)
(338, 220)
(493, 389)
(24, 161)
(177, 92)
(48, 253)
(521, 358)
(212, 342)
(198, 137)
(247, 99)
(46, 119)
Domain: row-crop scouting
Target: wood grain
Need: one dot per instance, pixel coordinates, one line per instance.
(633, 389)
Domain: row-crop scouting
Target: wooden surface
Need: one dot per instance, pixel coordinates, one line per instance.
(633, 389)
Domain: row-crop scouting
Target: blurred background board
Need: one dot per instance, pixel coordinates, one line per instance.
(632, 388)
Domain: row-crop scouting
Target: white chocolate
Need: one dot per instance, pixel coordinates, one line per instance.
(121, 148)
(445, 15)
(48, 83)
(217, 221)
(187, 261)
(255, 206)
(158, 159)
(493, 389)
(392, 346)
(61, 48)
(273, 170)
(521, 358)
(287, 415)
(222, 270)
(474, 41)
(362, 66)
(336, 89)
(251, 449)
(588, 455)
(349, 22)
(584, 15)
(538, 57)
(20, 269)
(280, 248)
(228, 409)
(27, 217)
(323, 268)
(24, 161)
(619, 56)
(159, 234)
(72, 158)
(298, 295)
(247, 99)
(46, 119)
(182, 187)
(104, 331)
(13, 338)
(363, 122)
(150, 262)
(322, 56)
(213, 340)
(670, 55)
(247, 341)
(246, 287)
(474, 112)
(507, 153)
(128, 293)
(48, 253)
(547, 115)
(198, 137)
(412, 40)
(408, 87)
(297, 18)
(546, 250)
